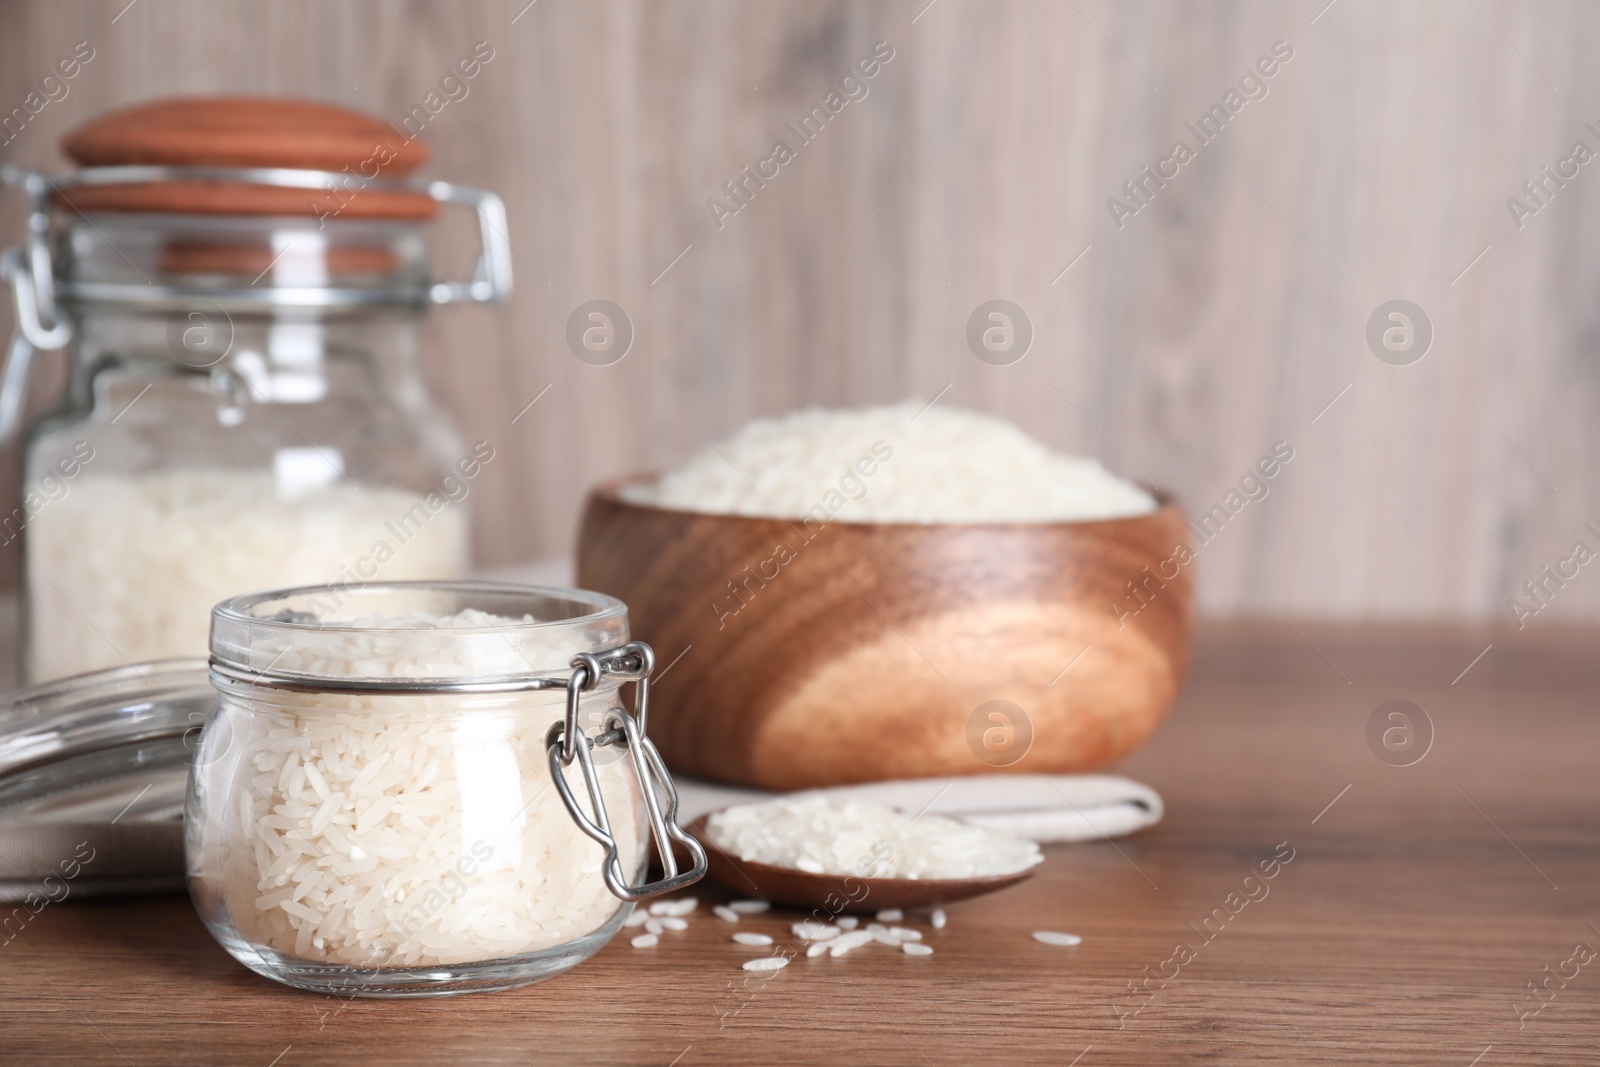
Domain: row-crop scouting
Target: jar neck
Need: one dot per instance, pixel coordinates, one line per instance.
(248, 359)
(443, 635)
(240, 265)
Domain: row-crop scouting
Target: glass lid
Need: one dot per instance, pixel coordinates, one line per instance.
(93, 772)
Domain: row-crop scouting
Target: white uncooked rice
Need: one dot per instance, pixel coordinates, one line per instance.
(645, 941)
(725, 913)
(404, 830)
(912, 948)
(814, 931)
(126, 568)
(846, 942)
(938, 919)
(752, 939)
(891, 915)
(766, 963)
(1054, 937)
(676, 907)
(865, 840)
(942, 465)
(750, 907)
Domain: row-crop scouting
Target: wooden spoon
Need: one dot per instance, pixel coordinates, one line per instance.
(839, 892)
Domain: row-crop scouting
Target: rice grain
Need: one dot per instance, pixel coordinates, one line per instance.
(1053, 937)
(766, 963)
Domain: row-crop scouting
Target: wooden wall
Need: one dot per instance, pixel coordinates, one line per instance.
(1221, 318)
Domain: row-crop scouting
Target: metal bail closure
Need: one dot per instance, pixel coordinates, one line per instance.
(566, 741)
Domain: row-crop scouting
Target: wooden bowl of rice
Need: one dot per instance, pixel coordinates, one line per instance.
(795, 653)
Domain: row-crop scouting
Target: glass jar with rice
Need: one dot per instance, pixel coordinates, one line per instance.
(244, 408)
(400, 792)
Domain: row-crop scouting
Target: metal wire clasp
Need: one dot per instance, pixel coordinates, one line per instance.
(566, 741)
(39, 322)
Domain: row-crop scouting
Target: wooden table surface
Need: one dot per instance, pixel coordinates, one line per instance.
(1419, 903)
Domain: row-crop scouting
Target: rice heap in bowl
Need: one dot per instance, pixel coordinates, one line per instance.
(897, 463)
(903, 591)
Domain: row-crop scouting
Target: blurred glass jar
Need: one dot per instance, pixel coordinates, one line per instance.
(386, 802)
(244, 407)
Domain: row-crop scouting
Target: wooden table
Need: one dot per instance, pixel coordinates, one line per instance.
(1419, 902)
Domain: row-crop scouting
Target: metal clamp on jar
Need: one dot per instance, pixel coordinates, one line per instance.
(239, 284)
(382, 804)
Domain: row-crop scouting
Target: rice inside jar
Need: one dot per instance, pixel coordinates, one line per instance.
(375, 797)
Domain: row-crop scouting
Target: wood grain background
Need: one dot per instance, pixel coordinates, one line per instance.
(1221, 318)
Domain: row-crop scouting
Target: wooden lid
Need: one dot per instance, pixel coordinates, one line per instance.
(240, 131)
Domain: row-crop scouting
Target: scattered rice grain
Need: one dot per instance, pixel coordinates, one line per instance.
(939, 918)
(749, 907)
(646, 941)
(1053, 937)
(807, 930)
(678, 907)
(752, 939)
(891, 915)
(913, 948)
(847, 942)
(725, 913)
(766, 963)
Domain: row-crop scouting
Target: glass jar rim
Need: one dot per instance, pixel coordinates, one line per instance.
(602, 606)
(315, 635)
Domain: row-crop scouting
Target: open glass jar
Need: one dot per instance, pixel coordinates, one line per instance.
(244, 408)
(414, 789)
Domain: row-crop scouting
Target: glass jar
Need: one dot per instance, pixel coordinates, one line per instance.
(244, 407)
(386, 802)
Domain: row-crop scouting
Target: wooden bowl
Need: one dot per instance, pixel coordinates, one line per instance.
(840, 893)
(792, 655)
